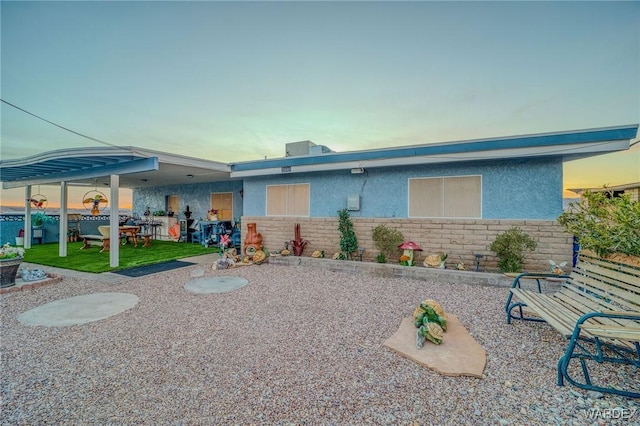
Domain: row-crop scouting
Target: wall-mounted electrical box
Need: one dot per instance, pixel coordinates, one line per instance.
(353, 202)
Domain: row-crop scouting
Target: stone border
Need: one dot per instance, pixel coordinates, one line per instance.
(451, 276)
(51, 279)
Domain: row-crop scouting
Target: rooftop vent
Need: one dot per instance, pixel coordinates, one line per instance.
(296, 149)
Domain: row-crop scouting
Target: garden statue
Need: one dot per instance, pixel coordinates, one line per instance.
(32, 274)
(407, 256)
(187, 213)
(253, 240)
(431, 321)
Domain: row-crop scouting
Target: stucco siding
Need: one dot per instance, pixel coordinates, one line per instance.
(510, 189)
(196, 196)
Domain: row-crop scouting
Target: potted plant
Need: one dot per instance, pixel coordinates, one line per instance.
(10, 260)
(510, 247)
(20, 238)
(39, 219)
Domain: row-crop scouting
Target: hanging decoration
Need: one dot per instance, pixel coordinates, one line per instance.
(38, 202)
(94, 201)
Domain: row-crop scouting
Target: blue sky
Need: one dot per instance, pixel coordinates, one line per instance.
(233, 81)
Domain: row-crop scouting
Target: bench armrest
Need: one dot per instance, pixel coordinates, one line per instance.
(536, 275)
(630, 315)
(626, 314)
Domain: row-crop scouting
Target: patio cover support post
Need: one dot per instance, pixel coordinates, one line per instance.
(62, 251)
(27, 217)
(114, 223)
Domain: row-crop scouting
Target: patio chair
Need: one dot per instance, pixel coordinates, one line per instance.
(195, 232)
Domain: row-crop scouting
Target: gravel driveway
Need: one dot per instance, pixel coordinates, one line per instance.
(294, 346)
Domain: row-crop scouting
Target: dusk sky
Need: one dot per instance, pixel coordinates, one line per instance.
(233, 81)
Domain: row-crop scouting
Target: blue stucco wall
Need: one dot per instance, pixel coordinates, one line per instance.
(518, 189)
(196, 196)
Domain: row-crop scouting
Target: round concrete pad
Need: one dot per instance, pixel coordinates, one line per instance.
(79, 309)
(215, 284)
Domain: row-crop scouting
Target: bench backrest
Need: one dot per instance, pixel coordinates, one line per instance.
(606, 285)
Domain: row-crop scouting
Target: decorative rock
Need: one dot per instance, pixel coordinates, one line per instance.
(32, 274)
(595, 394)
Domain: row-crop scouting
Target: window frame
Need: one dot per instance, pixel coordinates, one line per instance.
(287, 206)
(442, 195)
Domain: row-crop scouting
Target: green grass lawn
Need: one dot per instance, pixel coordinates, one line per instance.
(90, 260)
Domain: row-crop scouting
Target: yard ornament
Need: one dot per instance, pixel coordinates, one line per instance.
(407, 256)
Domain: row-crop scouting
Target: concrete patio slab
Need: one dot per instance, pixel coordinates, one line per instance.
(79, 309)
(208, 285)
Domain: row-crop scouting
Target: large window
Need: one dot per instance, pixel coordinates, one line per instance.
(223, 202)
(452, 197)
(288, 200)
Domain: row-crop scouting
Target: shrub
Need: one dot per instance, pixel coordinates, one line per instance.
(348, 240)
(381, 258)
(604, 223)
(387, 240)
(510, 246)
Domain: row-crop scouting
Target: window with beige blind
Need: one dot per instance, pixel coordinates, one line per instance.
(288, 200)
(450, 197)
(223, 202)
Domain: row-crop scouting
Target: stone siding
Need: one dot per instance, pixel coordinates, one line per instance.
(461, 239)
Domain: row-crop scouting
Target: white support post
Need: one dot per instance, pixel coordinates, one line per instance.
(62, 251)
(114, 223)
(27, 217)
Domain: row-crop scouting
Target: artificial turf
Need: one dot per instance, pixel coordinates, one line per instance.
(91, 260)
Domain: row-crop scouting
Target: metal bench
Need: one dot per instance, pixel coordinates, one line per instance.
(597, 308)
(95, 240)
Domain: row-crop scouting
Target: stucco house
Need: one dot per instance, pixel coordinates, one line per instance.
(452, 197)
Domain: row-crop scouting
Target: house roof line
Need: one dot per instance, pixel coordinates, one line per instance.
(621, 187)
(566, 138)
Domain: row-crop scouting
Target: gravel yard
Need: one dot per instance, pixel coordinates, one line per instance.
(294, 346)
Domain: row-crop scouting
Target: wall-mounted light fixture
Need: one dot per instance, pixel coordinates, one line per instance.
(357, 171)
(242, 193)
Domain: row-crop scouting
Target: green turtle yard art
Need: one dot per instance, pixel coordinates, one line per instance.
(431, 321)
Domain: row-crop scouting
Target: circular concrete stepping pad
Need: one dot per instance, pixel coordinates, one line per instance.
(209, 285)
(79, 309)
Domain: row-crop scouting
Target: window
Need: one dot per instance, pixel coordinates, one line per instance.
(173, 203)
(288, 200)
(223, 202)
(456, 197)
